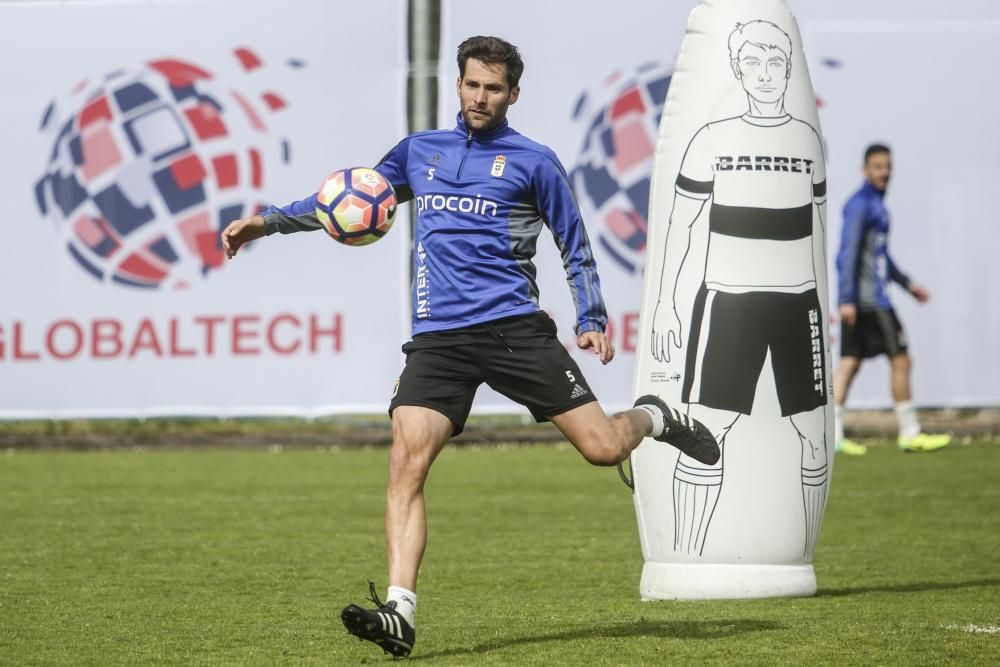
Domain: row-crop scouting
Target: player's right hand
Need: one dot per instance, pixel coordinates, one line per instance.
(848, 314)
(666, 332)
(920, 293)
(241, 231)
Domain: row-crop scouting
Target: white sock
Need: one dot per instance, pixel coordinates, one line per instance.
(906, 415)
(657, 417)
(838, 423)
(406, 603)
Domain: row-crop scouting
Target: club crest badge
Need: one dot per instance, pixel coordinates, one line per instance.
(498, 164)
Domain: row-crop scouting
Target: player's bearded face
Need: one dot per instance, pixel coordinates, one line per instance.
(485, 95)
(878, 169)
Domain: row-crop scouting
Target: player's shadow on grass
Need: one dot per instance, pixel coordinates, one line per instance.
(716, 629)
(915, 587)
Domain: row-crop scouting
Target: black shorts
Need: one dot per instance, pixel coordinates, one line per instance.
(729, 341)
(875, 332)
(519, 357)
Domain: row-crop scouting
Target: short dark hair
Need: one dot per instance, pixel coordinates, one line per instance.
(876, 149)
(492, 51)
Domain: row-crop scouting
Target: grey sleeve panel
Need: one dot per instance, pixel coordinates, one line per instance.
(867, 272)
(524, 226)
(567, 265)
(277, 222)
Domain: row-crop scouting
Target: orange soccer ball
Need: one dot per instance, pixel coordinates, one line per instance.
(356, 206)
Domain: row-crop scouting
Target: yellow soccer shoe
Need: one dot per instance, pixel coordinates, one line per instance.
(924, 442)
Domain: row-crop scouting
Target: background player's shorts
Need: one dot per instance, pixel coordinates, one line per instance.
(875, 332)
(519, 357)
(729, 340)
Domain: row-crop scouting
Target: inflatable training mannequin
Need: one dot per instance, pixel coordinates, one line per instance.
(734, 314)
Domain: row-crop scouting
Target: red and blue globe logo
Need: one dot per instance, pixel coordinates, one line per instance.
(620, 121)
(148, 165)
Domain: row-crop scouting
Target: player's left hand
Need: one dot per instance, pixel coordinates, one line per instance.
(920, 294)
(599, 343)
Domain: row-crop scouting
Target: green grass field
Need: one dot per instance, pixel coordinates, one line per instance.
(245, 557)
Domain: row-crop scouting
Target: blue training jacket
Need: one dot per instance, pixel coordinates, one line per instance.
(864, 266)
(481, 200)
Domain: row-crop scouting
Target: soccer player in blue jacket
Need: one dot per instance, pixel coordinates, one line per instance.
(869, 326)
(482, 192)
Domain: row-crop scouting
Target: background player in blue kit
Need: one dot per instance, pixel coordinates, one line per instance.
(869, 326)
(482, 192)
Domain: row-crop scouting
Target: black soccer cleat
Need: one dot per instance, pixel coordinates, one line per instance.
(686, 434)
(383, 626)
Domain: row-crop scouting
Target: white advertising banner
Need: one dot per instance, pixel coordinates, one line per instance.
(132, 133)
(596, 75)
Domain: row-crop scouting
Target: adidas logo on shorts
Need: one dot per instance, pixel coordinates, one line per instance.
(578, 391)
